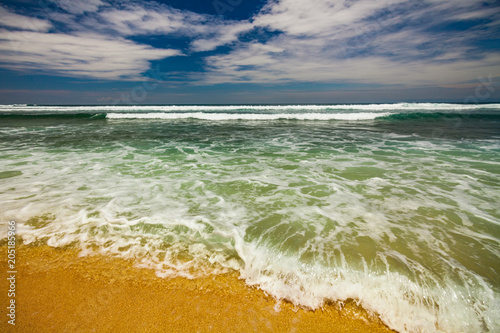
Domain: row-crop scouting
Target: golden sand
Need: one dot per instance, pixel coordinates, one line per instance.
(57, 291)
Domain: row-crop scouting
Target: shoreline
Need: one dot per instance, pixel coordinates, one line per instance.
(58, 291)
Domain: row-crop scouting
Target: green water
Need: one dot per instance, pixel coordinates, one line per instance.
(399, 213)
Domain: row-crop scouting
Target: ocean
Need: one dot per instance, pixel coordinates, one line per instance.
(393, 206)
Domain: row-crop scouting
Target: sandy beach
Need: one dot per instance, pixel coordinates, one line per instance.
(58, 291)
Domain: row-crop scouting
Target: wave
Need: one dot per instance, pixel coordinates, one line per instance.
(290, 210)
(439, 115)
(214, 116)
(248, 116)
(394, 107)
(346, 112)
(53, 116)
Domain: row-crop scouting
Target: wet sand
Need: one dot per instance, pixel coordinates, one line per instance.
(58, 291)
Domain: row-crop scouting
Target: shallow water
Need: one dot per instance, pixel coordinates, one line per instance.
(394, 206)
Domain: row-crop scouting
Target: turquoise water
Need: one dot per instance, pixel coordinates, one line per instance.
(395, 206)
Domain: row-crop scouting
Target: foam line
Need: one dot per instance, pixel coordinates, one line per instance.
(248, 116)
(250, 108)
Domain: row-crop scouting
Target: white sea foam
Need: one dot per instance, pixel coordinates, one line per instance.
(248, 116)
(403, 304)
(406, 228)
(250, 108)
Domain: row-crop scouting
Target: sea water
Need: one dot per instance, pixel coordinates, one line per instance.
(394, 206)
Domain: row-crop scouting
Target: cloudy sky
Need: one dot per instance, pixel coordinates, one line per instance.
(248, 51)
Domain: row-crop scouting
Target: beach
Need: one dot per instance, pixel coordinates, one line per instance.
(58, 291)
(258, 217)
(250, 166)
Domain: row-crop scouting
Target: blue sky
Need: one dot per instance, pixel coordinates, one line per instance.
(248, 51)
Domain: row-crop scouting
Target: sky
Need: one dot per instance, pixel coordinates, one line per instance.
(249, 51)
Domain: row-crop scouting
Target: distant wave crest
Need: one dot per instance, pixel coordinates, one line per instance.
(348, 112)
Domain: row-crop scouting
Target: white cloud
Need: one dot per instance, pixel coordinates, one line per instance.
(79, 6)
(317, 17)
(331, 41)
(13, 20)
(270, 67)
(222, 34)
(206, 32)
(88, 46)
(364, 41)
(134, 20)
(82, 55)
